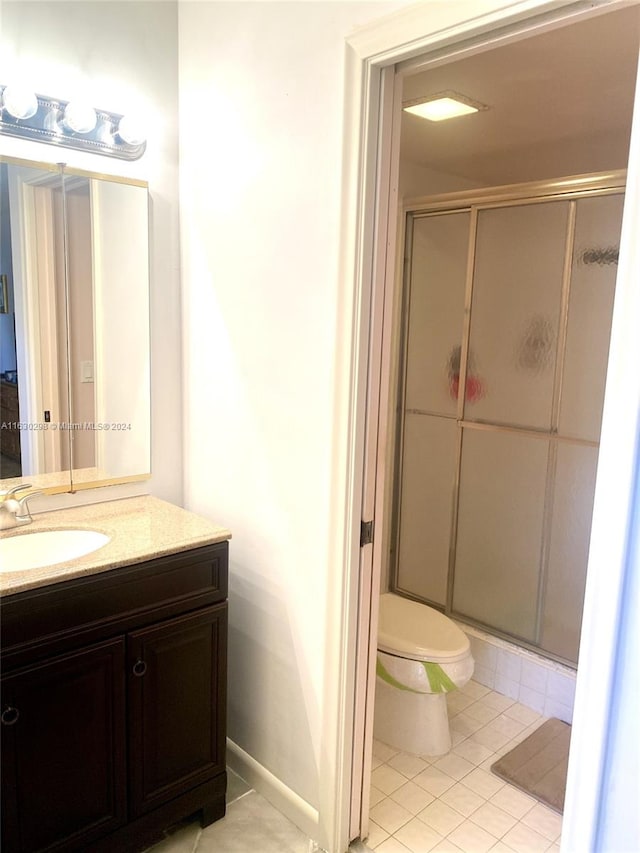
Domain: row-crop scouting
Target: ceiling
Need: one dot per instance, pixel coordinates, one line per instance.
(560, 104)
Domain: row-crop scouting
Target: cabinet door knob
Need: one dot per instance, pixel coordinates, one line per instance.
(139, 668)
(9, 716)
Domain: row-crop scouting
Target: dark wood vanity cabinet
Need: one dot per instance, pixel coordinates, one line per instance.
(63, 749)
(175, 692)
(113, 705)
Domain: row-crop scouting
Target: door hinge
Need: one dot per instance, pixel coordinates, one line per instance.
(366, 533)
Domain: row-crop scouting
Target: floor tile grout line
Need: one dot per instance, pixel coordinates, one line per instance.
(467, 817)
(241, 796)
(470, 817)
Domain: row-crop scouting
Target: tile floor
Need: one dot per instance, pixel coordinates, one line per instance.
(451, 804)
(454, 803)
(250, 824)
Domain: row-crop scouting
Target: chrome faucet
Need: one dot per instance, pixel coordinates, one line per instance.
(15, 511)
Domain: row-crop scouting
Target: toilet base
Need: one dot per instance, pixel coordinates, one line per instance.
(414, 723)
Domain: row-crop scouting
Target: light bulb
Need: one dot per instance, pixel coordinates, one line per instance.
(80, 117)
(19, 102)
(131, 130)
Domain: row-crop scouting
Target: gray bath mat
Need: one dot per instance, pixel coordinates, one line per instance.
(538, 765)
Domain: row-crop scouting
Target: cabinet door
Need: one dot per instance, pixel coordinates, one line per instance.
(63, 750)
(177, 690)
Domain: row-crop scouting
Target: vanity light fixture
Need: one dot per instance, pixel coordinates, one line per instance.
(442, 106)
(80, 117)
(131, 130)
(19, 102)
(72, 124)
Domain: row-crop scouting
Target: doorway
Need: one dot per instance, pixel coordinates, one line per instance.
(376, 493)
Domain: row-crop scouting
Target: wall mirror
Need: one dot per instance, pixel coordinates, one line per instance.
(74, 328)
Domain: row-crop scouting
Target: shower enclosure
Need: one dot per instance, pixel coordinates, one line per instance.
(507, 303)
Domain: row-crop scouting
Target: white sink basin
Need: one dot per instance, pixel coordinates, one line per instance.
(47, 547)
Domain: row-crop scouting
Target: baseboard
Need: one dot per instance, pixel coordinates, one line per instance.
(272, 789)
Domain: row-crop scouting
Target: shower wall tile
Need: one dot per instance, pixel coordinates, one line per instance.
(484, 674)
(484, 654)
(542, 685)
(531, 698)
(562, 687)
(533, 676)
(553, 708)
(506, 686)
(509, 665)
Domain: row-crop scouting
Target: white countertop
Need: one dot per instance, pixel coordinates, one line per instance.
(139, 528)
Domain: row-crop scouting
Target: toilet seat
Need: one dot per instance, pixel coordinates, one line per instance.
(409, 629)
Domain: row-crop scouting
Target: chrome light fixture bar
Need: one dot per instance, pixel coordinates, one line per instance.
(71, 124)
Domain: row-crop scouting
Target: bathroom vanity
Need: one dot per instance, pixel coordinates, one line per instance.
(114, 682)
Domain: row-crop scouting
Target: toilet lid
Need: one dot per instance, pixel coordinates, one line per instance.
(412, 630)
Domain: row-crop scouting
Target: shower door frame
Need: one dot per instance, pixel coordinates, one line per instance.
(570, 189)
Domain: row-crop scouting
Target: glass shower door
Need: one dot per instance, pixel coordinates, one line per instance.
(434, 311)
(590, 308)
(513, 343)
(503, 375)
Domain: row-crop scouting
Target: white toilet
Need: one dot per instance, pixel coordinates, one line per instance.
(422, 656)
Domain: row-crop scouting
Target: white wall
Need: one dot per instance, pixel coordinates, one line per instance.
(122, 55)
(416, 181)
(261, 97)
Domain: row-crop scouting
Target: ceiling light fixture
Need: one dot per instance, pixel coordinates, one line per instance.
(442, 106)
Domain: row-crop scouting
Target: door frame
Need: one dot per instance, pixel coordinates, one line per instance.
(442, 32)
(35, 305)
